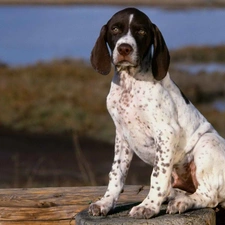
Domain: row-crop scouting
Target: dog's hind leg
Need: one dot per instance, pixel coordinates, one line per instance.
(209, 160)
(182, 203)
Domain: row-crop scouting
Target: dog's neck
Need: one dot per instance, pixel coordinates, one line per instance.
(125, 77)
(135, 72)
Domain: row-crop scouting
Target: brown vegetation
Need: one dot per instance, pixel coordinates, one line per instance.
(68, 95)
(201, 54)
(55, 97)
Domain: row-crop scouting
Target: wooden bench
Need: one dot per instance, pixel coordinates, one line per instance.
(51, 206)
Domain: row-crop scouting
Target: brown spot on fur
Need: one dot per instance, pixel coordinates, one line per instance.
(187, 181)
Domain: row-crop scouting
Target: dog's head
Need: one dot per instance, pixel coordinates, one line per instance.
(134, 42)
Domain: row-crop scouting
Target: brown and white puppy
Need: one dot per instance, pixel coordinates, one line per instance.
(156, 121)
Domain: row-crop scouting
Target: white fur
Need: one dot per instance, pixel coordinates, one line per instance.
(148, 114)
(156, 122)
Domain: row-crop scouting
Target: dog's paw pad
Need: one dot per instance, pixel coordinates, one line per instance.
(141, 212)
(175, 206)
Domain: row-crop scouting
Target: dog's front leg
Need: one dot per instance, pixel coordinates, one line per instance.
(160, 186)
(122, 158)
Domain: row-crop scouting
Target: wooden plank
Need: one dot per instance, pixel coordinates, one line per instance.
(49, 197)
(55, 205)
(58, 222)
(29, 213)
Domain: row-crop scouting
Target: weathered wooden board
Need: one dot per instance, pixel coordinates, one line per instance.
(56, 206)
(38, 222)
(45, 206)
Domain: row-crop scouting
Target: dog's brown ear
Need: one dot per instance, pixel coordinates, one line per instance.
(161, 57)
(100, 56)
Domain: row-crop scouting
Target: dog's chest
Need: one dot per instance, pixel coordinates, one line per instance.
(129, 105)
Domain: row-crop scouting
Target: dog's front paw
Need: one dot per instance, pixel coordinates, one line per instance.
(142, 212)
(100, 208)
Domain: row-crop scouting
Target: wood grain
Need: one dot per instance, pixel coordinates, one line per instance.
(45, 206)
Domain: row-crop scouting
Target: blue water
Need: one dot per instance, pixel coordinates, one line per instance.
(219, 105)
(29, 34)
(203, 67)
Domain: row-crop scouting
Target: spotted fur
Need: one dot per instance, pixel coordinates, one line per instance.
(155, 121)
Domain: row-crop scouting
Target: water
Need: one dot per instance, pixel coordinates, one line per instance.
(219, 105)
(32, 33)
(196, 68)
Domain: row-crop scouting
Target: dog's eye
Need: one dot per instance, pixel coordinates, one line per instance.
(141, 32)
(115, 30)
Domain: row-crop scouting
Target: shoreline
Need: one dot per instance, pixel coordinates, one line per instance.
(154, 3)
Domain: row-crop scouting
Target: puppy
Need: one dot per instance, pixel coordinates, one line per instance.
(154, 120)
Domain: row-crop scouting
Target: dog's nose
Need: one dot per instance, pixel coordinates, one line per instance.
(124, 49)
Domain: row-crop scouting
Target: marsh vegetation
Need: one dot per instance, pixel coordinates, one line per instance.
(58, 126)
(69, 96)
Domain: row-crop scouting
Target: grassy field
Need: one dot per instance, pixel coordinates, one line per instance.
(69, 96)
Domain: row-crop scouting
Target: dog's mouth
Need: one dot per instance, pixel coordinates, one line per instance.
(125, 63)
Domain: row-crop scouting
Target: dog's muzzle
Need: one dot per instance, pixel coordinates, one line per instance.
(124, 56)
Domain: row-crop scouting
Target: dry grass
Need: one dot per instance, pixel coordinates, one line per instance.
(201, 54)
(67, 95)
(54, 97)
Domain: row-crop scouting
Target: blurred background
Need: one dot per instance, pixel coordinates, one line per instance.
(54, 126)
